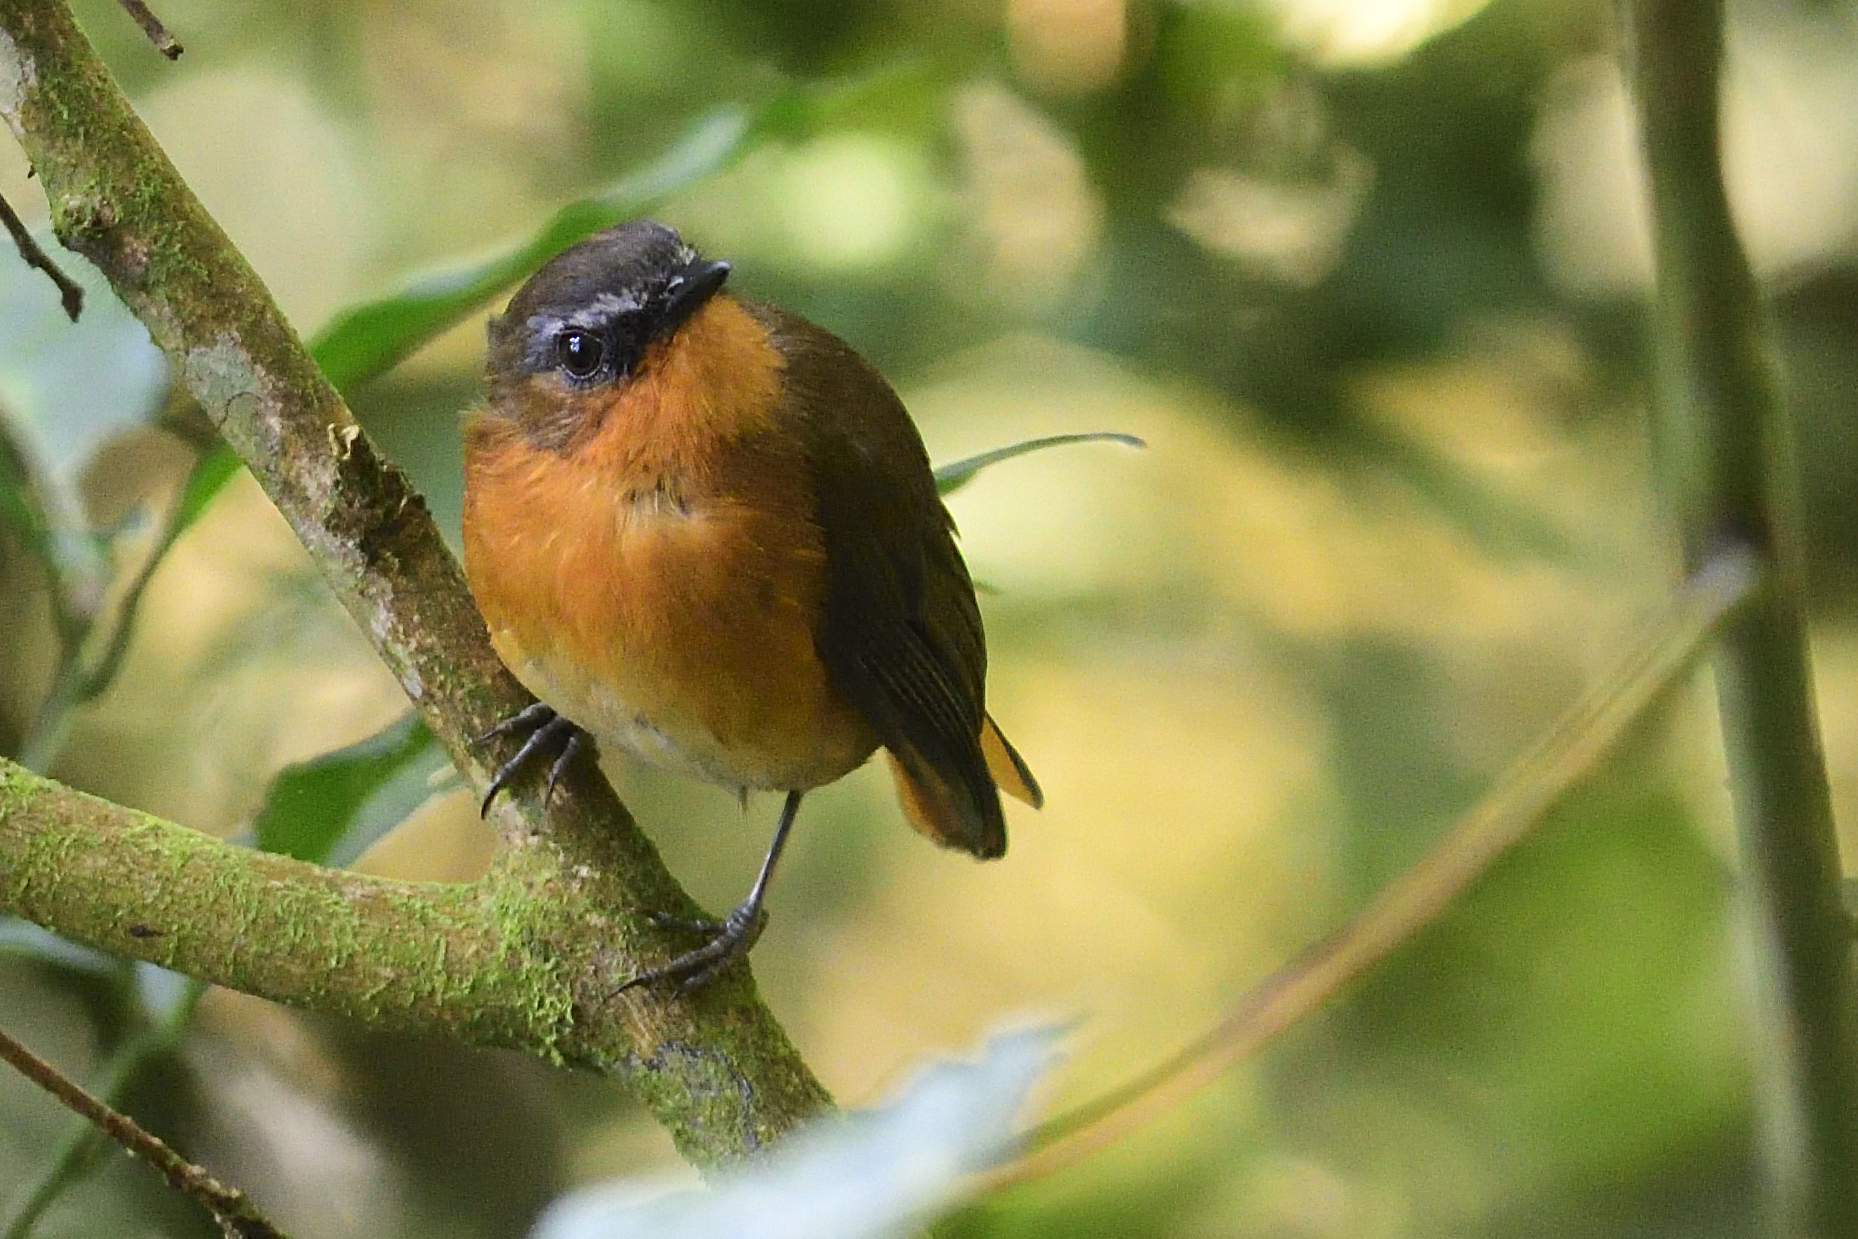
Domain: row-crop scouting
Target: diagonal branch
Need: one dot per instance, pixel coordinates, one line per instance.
(236, 1214)
(1515, 805)
(116, 199)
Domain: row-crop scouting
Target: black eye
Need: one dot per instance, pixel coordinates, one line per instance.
(580, 353)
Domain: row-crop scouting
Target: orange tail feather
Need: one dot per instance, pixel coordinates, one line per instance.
(1009, 770)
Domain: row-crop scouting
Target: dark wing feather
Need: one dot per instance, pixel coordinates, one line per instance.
(901, 634)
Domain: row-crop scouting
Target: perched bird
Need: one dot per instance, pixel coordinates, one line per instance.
(705, 531)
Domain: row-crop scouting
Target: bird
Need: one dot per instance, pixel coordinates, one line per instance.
(704, 531)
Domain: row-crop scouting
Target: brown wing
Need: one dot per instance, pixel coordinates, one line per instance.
(901, 634)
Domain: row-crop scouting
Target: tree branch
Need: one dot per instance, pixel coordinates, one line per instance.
(547, 940)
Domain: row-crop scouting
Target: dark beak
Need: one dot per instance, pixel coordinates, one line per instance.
(687, 291)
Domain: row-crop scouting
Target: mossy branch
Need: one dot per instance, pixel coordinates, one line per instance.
(1724, 421)
(531, 956)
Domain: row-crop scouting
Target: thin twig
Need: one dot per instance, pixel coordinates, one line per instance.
(152, 27)
(119, 1072)
(1568, 754)
(69, 291)
(235, 1213)
(81, 676)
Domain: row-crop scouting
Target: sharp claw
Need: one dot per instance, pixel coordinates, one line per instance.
(576, 740)
(730, 939)
(533, 715)
(545, 727)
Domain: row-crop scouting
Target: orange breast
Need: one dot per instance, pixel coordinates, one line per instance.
(659, 579)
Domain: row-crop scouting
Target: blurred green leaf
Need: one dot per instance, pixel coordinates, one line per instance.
(952, 477)
(877, 1174)
(1608, 1046)
(800, 111)
(370, 338)
(328, 810)
(20, 507)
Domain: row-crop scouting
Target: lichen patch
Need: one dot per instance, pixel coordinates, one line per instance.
(17, 80)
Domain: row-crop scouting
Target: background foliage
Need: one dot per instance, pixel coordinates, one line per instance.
(1370, 288)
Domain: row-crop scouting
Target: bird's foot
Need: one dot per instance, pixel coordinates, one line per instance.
(545, 731)
(727, 940)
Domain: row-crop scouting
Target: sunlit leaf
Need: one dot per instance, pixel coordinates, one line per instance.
(950, 478)
(331, 808)
(875, 1174)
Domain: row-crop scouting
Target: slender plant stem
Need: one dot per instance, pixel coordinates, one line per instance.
(96, 671)
(45, 736)
(1722, 415)
(1583, 738)
(83, 674)
(38, 520)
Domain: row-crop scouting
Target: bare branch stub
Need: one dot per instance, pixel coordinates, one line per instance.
(69, 290)
(151, 26)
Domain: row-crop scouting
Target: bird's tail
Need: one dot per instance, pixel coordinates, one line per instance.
(965, 813)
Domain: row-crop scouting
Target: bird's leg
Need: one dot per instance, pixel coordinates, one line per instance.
(546, 730)
(730, 937)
